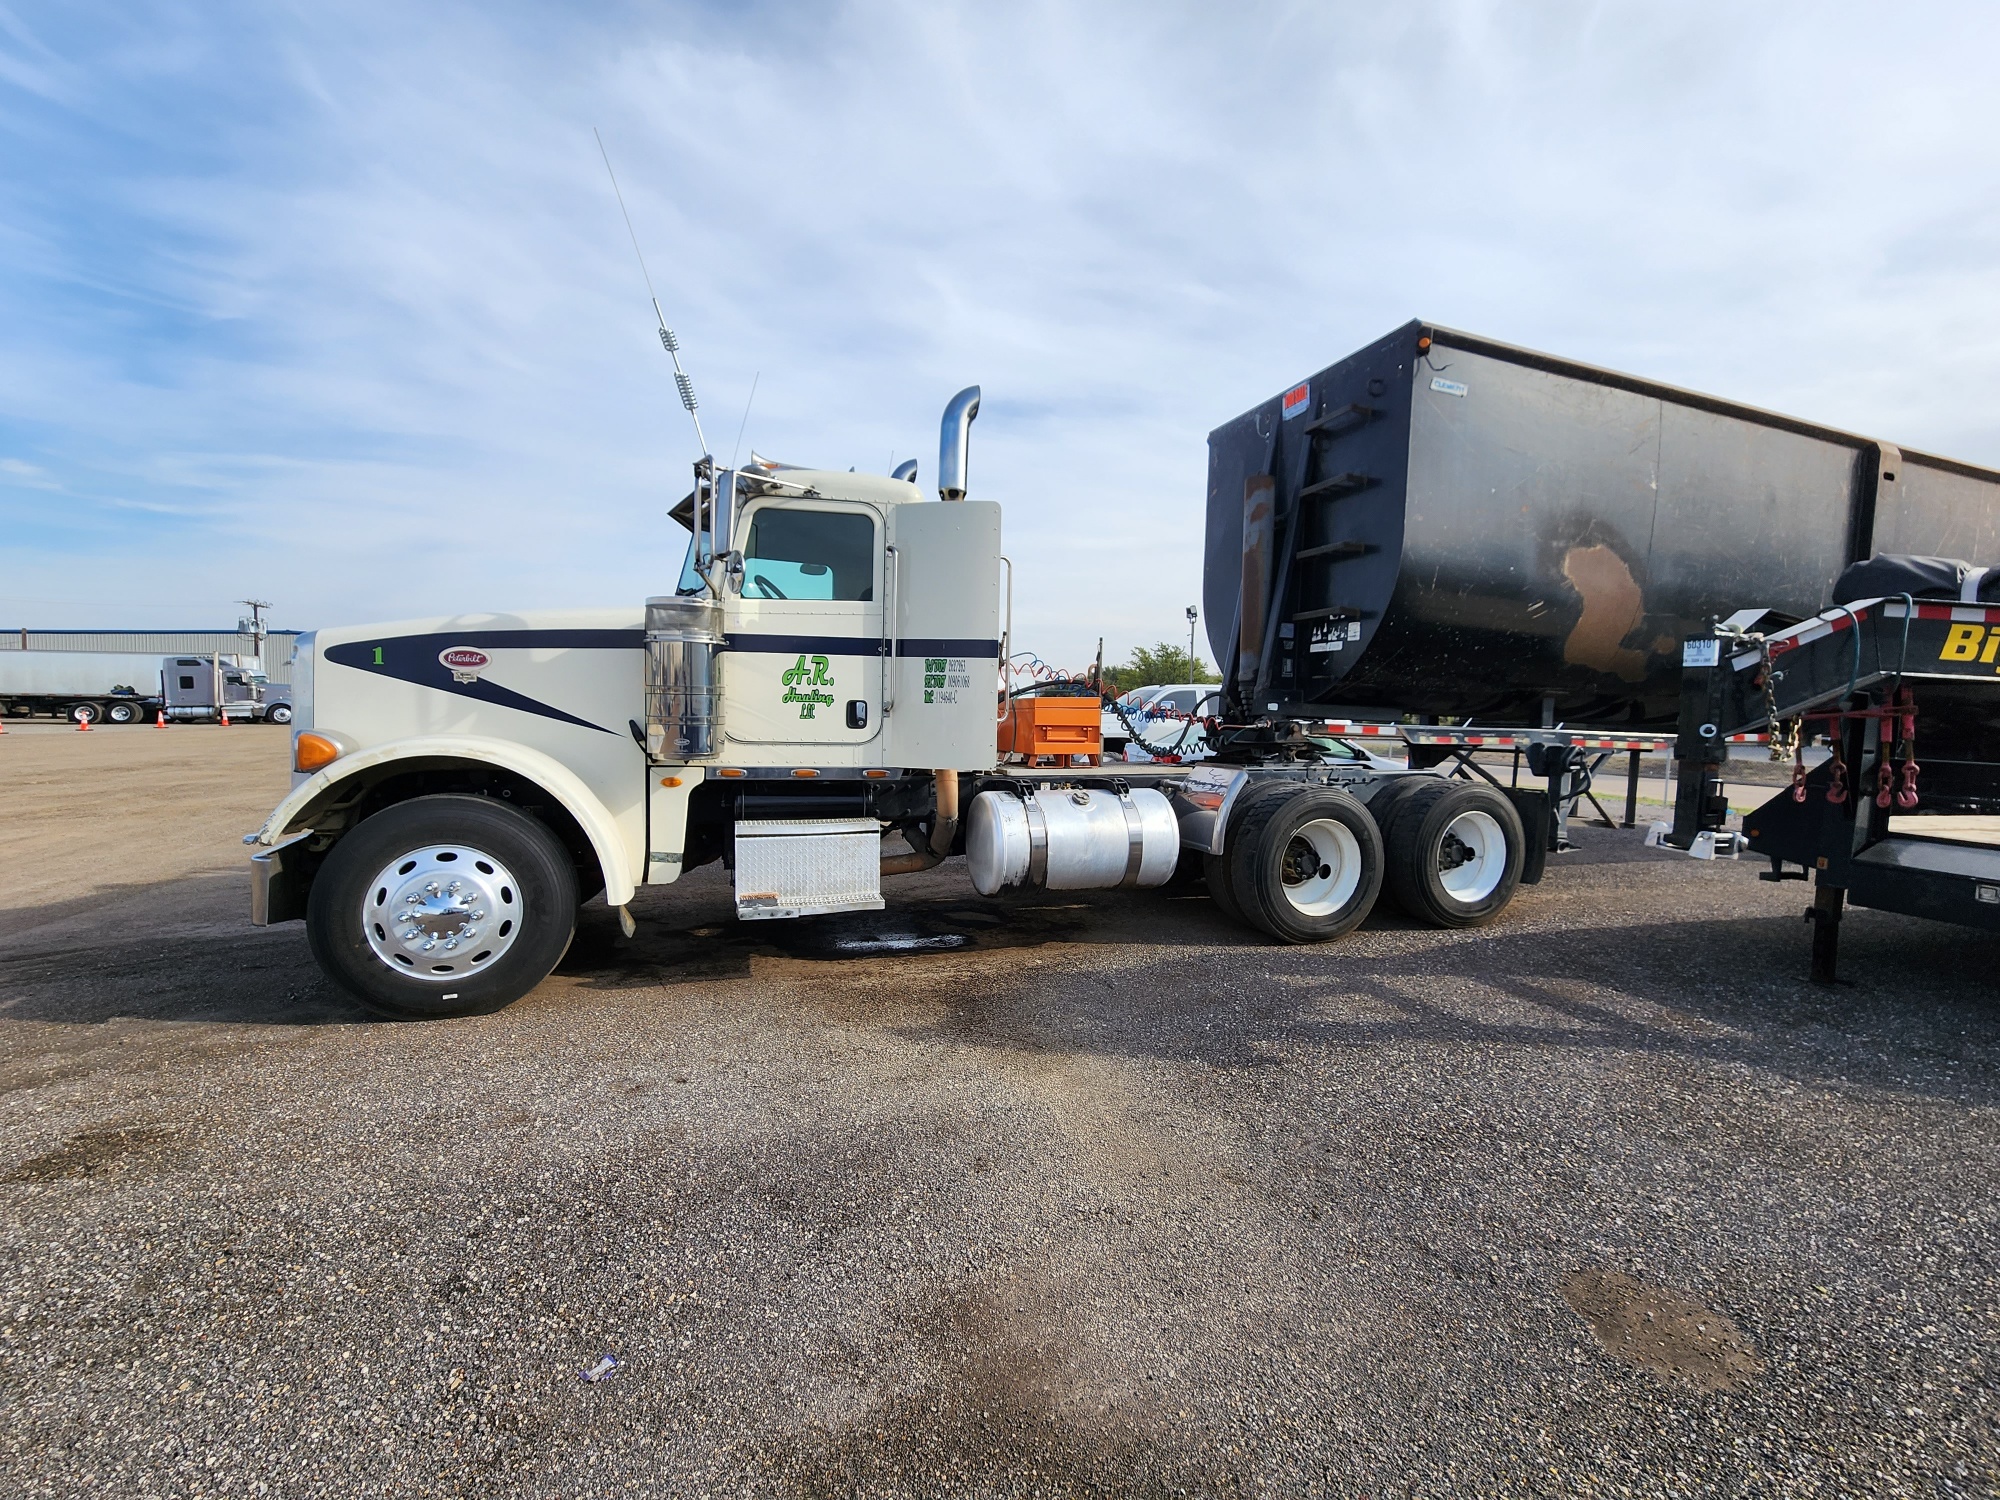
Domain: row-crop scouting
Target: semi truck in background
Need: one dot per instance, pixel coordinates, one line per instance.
(123, 687)
(1435, 528)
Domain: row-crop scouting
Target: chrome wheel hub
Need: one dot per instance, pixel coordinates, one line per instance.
(442, 913)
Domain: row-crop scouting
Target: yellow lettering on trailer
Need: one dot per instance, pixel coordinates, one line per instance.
(1992, 647)
(1962, 643)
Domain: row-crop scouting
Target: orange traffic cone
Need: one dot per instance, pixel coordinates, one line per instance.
(161, 721)
(225, 718)
(3, 723)
(82, 726)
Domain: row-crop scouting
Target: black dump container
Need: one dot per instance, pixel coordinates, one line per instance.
(1441, 524)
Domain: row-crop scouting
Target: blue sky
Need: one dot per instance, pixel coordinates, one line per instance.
(333, 303)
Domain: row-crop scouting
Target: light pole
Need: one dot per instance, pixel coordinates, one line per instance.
(1193, 615)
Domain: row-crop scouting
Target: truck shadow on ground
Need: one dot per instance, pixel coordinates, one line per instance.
(1911, 1014)
(182, 950)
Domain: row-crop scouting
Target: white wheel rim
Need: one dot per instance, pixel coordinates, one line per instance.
(442, 913)
(1322, 868)
(1472, 857)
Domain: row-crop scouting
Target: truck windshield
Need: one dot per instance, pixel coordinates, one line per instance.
(690, 579)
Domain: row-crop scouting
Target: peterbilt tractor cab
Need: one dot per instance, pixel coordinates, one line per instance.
(799, 708)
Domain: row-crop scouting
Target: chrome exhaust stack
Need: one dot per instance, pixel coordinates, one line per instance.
(954, 443)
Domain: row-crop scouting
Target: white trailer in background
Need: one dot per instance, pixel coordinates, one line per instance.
(85, 687)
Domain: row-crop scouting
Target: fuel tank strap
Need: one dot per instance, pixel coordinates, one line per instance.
(1135, 840)
(1038, 843)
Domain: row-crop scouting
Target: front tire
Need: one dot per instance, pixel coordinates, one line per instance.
(1455, 852)
(443, 906)
(1307, 868)
(280, 714)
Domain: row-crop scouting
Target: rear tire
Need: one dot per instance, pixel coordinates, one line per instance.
(121, 713)
(1382, 806)
(515, 914)
(1218, 869)
(1455, 852)
(1306, 867)
(1215, 869)
(84, 713)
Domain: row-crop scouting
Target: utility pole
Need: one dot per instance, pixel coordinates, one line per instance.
(256, 630)
(1193, 615)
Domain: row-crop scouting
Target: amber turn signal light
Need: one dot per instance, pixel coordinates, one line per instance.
(312, 751)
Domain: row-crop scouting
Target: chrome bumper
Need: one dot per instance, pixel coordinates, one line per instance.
(277, 885)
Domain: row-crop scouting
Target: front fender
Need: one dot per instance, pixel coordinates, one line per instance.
(551, 775)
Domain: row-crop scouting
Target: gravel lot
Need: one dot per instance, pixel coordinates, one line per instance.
(1076, 1196)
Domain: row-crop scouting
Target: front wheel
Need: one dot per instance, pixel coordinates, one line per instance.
(280, 713)
(1455, 851)
(443, 906)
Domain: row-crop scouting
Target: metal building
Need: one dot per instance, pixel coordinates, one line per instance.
(277, 644)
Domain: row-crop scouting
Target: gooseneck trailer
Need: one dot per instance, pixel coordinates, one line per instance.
(1436, 527)
(1872, 824)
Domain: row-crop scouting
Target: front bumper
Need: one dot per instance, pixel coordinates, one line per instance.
(278, 883)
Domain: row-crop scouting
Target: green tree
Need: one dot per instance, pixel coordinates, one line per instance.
(1162, 662)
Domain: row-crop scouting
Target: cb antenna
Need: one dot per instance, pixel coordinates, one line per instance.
(682, 382)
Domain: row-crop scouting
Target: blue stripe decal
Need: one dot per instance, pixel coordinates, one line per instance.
(414, 658)
(861, 645)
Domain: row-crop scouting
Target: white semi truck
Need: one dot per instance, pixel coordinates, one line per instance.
(816, 707)
(127, 687)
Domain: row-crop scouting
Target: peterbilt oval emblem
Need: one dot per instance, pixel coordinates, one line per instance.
(466, 662)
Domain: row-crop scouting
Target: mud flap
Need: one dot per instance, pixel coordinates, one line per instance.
(1536, 823)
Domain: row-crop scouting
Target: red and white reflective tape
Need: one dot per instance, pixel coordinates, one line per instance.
(1427, 735)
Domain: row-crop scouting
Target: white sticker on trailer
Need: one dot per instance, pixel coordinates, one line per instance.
(1700, 653)
(1448, 387)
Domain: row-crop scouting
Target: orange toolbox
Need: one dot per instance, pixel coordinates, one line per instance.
(1043, 727)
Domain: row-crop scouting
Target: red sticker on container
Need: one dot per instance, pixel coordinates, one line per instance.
(1296, 400)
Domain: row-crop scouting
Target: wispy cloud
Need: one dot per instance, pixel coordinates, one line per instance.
(299, 286)
(23, 475)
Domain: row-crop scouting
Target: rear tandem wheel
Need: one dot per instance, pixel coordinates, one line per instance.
(1455, 850)
(1306, 867)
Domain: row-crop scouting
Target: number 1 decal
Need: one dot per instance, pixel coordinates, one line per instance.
(378, 657)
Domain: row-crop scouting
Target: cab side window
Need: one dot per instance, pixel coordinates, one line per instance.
(809, 554)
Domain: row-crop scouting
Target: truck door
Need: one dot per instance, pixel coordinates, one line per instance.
(805, 667)
(944, 576)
